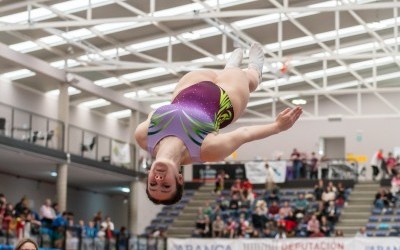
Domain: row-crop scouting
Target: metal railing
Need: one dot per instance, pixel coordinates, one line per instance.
(31, 127)
(95, 146)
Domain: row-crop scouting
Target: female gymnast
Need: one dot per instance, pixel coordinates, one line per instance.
(186, 131)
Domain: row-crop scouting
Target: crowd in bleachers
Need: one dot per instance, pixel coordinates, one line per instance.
(385, 217)
(20, 221)
(242, 212)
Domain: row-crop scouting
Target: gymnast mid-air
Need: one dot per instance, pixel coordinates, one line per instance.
(186, 130)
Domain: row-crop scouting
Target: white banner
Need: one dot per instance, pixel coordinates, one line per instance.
(278, 170)
(256, 172)
(120, 153)
(387, 243)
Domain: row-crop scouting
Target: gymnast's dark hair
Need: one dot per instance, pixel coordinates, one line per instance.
(177, 196)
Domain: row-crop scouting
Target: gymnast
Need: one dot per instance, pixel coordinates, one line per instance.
(186, 131)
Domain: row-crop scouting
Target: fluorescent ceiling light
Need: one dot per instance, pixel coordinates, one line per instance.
(97, 103)
(18, 74)
(53, 173)
(125, 190)
(157, 105)
(145, 74)
(120, 114)
(56, 92)
(268, 100)
(153, 44)
(61, 64)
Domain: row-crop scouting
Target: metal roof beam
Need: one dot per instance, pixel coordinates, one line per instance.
(81, 83)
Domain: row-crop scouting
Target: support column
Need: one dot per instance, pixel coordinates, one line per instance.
(62, 169)
(133, 123)
(133, 207)
(62, 181)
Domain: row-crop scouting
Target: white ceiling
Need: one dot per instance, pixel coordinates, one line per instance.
(330, 49)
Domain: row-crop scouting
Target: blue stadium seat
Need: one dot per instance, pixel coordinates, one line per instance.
(398, 212)
(389, 211)
(373, 219)
(369, 234)
(381, 234)
(396, 226)
(386, 219)
(376, 211)
(383, 226)
(371, 226)
(174, 213)
(397, 219)
(168, 220)
(394, 234)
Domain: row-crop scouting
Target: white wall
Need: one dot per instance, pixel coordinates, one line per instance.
(18, 96)
(83, 203)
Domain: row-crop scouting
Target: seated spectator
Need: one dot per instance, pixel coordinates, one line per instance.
(246, 185)
(273, 196)
(361, 233)
(312, 224)
(391, 163)
(381, 199)
(218, 227)
(281, 234)
(200, 219)
(286, 210)
(331, 212)
(255, 234)
(242, 227)
(341, 195)
(258, 218)
(237, 188)
(331, 186)
(231, 228)
(273, 209)
(47, 213)
(320, 210)
(318, 190)
(22, 207)
(206, 233)
(301, 206)
(207, 209)
(325, 226)
(317, 233)
(223, 203)
(339, 233)
(248, 198)
(234, 203)
(267, 233)
(328, 195)
(263, 207)
(395, 184)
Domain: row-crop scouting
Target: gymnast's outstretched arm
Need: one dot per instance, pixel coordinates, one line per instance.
(217, 147)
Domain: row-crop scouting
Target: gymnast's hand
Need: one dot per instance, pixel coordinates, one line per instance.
(287, 118)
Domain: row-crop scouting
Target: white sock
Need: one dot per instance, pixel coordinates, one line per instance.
(256, 58)
(235, 59)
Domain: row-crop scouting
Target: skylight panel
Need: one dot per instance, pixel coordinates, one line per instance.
(145, 74)
(71, 91)
(152, 44)
(61, 64)
(160, 104)
(52, 40)
(120, 114)
(80, 5)
(164, 88)
(18, 74)
(108, 82)
(22, 17)
(183, 9)
(97, 103)
(24, 47)
(78, 34)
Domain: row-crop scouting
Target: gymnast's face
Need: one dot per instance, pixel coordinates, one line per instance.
(162, 180)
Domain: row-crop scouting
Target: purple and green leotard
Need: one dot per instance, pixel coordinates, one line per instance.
(194, 113)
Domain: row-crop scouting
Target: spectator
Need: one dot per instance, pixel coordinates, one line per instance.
(108, 226)
(331, 212)
(234, 203)
(269, 181)
(296, 163)
(248, 198)
(328, 195)
(273, 209)
(206, 233)
(200, 219)
(395, 184)
(123, 239)
(22, 207)
(47, 213)
(90, 230)
(313, 166)
(218, 227)
(272, 196)
(258, 218)
(320, 210)
(267, 233)
(286, 210)
(242, 227)
(219, 182)
(318, 190)
(246, 185)
(331, 186)
(339, 233)
(312, 225)
(281, 234)
(317, 233)
(361, 233)
(325, 226)
(301, 206)
(26, 244)
(391, 163)
(231, 228)
(98, 218)
(341, 196)
(376, 163)
(236, 188)
(207, 209)
(381, 199)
